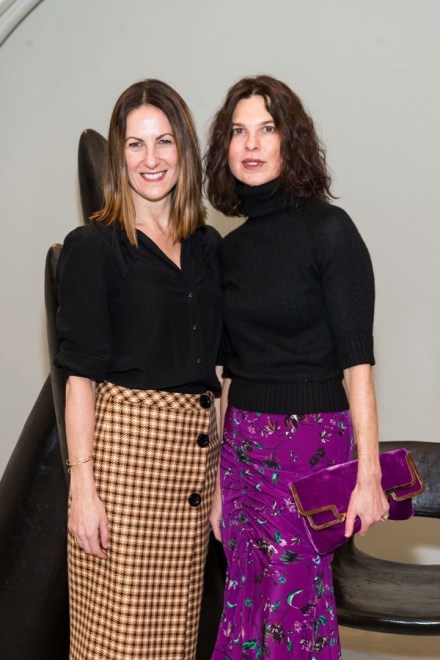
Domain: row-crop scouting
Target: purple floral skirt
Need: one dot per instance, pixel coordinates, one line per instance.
(279, 599)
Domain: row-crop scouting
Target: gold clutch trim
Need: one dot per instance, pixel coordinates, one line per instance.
(416, 477)
(340, 517)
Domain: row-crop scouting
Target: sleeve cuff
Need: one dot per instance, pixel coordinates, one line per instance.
(355, 350)
(79, 364)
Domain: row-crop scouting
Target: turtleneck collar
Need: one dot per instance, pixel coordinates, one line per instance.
(263, 200)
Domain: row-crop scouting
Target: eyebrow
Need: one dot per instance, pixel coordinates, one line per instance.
(133, 137)
(262, 123)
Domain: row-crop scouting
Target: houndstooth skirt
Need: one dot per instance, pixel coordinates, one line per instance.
(155, 462)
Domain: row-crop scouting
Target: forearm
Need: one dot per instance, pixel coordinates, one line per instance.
(216, 509)
(224, 402)
(217, 403)
(88, 522)
(80, 429)
(221, 405)
(367, 500)
(362, 400)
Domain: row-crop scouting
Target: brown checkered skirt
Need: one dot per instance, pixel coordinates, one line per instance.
(155, 461)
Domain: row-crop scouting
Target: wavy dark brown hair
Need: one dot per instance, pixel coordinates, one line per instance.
(304, 172)
(187, 209)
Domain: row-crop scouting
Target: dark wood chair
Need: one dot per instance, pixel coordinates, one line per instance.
(387, 596)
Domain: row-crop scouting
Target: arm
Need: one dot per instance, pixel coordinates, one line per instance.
(367, 499)
(87, 517)
(215, 516)
(348, 286)
(222, 403)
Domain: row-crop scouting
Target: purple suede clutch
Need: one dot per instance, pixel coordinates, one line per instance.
(322, 497)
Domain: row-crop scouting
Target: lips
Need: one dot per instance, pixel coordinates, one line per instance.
(251, 163)
(153, 176)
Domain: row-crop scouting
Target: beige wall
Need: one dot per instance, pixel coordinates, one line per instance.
(369, 73)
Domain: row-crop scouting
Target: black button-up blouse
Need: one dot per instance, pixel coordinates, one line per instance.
(130, 316)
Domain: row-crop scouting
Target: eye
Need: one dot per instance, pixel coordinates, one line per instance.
(270, 128)
(165, 140)
(135, 145)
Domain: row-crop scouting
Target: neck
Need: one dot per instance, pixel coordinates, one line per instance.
(154, 223)
(154, 217)
(264, 199)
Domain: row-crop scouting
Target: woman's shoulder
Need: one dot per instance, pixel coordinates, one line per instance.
(95, 233)
(233, 239)
(88, 246)
(328, 216)
(208, 239)
(329, 224)
(209, 236)
(333, 231)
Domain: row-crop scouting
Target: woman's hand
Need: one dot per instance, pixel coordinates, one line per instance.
(88, 524)
(369, 503)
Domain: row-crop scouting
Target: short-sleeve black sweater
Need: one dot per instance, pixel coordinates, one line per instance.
(129, 315)
(298, 304)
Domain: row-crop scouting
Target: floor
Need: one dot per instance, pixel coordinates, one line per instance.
(366, 645)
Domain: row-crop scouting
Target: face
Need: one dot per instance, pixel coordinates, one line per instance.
(151, 155)
(255, 148)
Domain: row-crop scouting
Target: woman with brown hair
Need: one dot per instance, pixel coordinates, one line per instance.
(298, 313)
(139, 326)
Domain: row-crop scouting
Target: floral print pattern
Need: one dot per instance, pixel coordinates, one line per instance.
(279, 599)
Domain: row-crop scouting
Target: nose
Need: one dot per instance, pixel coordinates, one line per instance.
(251, 141)
(151, 158)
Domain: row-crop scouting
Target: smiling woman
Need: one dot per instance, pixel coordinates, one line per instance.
(139, 327)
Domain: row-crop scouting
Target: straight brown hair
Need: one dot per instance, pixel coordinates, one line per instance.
(187, 210)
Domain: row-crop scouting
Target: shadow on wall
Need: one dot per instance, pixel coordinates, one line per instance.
(34, 608)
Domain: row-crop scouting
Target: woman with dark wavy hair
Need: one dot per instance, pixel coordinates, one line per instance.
(298, 314)
(139, 327)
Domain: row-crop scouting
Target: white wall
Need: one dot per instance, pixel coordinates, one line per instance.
(369, 73)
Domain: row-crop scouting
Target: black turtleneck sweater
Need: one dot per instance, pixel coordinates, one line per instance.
(298, 304)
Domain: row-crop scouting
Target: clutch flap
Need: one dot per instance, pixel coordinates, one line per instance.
(322, 496)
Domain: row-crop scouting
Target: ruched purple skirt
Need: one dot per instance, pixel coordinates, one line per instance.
(279, 599)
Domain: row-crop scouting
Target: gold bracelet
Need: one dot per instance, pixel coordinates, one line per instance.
(84, 459)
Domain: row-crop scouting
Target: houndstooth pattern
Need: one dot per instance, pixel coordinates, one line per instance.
(143, 601)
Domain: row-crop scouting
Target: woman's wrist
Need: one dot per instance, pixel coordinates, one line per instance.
(369, 475)
(77, 461)
(82, 480)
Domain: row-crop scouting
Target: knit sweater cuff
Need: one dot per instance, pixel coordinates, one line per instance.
(355, 350)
